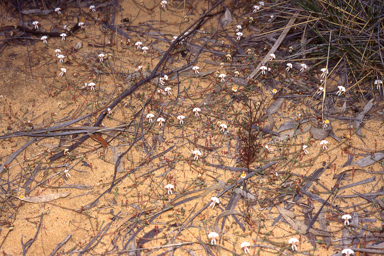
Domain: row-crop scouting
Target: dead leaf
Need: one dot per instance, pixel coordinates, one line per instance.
(286, 212)
(290, 134)
(239, 81)
(189, 73)
(368, 160)
(298, 225)
(319, 134)
(343, 108)
(115, 154)
(227, 18)
(323, 226)
(223, 214)
(271, 123)
(245, 194)
(349, 167)
(360, 117)
(286, 215)
(97, 137)
(215, 186)
(44, 198)
(275, 106)
(288, 125)
(333, 135)
(378, 107)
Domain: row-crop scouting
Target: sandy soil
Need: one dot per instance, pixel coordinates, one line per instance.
(35, 95)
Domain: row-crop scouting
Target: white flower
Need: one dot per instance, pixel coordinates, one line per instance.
(378, 83)
(261, 3)
(196, 111)
(237, 73)
(161, 79)
(273, 56)
(269, 149)
(180, 118)
(61, 58)
(271, 19)
(321, 90)
(303, 67)
(228, 56)
(213, 236)
(81, 24)
(222, 76)
(305, 149)
(325, 72)
(145, 49)
(101, 57)
(92, 8)
(63, 35)
(57, 51)
(169, 187)
(109, 111)
(168, 90)
(341, 90)
(63, 71)
(347, 252)
(223, 127)
(150, 116)
(263, 69)
(293, 242)
(196, 69)
(160, 120)
(36, 24)
(215, 201)
(197, 153)
(66, 171)
(256, 8)
(238, 28)
(139, 68)
(245, 245)
(289, 66)
(91, 85)
(324, 144)
(239, 35)
(44, 39)
(138, 45)
(346, 218)
(164, 4)
(57, 10)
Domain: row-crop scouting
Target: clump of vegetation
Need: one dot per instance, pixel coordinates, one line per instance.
(250, 133)
(352, 31)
